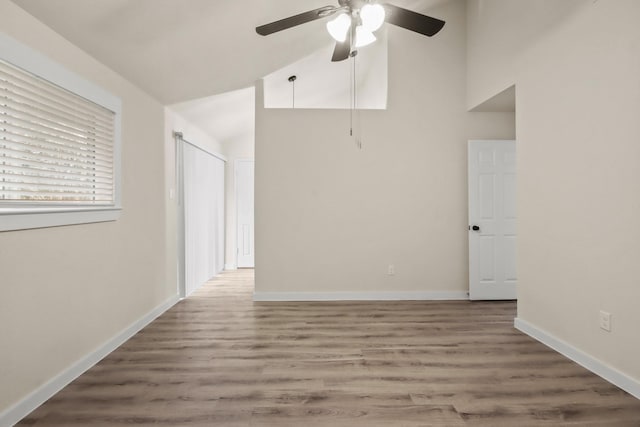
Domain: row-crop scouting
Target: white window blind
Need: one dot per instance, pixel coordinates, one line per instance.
(56, 147)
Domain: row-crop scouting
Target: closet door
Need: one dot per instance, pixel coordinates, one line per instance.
(203, 216)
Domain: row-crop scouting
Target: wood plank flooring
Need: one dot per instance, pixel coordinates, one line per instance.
(218, 358)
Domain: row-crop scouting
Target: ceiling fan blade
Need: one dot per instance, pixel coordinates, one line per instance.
(412, 20)
(292, 21)
(341, 51)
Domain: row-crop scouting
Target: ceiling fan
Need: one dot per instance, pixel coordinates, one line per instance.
(355, 23)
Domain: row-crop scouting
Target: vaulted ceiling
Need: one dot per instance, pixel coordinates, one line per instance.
(179, 50)
(201, 57)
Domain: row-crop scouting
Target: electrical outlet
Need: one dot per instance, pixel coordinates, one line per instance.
(392, 270)
(605, 321)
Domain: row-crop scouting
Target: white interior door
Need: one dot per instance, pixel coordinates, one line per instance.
(244, 209)
(492, 220)
(201, 216)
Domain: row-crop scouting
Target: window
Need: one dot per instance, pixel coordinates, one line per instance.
(59, 144)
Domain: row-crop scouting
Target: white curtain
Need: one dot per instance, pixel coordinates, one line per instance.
(203, 183)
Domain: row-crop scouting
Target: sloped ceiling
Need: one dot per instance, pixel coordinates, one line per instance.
(503, 102)
(228, 117)
(179, 50)
(201, 57)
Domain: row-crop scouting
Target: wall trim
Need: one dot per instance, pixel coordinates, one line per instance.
(230, 266)
(40, 395)
(361, 296)
(615, 377)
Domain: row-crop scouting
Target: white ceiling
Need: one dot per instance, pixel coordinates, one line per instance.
(178, 50)
(183, 50)
(228, 117)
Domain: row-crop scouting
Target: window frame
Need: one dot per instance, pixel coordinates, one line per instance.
(25, 216)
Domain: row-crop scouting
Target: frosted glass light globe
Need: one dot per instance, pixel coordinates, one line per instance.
(364, 37)
(339, 27)
(372, 16)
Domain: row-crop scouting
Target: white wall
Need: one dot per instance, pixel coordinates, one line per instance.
(578, 99)
(68, 290)
(331, 217)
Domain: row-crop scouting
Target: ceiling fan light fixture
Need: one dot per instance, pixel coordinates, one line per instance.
(372, 16)
(364, 37)
(339, 27)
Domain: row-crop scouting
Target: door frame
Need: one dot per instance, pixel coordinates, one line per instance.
(182, 287)
(236, 192)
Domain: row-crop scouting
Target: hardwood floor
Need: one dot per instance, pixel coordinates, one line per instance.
(218, 358)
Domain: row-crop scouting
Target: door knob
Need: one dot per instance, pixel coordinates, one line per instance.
(475, 228)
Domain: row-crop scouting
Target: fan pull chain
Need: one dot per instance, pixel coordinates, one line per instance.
(351, 91)
(355, 84)
(354, 99)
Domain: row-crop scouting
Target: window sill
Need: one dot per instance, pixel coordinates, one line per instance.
(21, 219)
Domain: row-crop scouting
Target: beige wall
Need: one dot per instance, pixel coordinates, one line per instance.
(578, 103)
(331, 217)
(68, 290)
(578, 118)
(498, 31)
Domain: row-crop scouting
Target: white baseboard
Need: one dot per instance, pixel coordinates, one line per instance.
(624, 381)
(361, 296)
(230, 266)
(15, 413)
